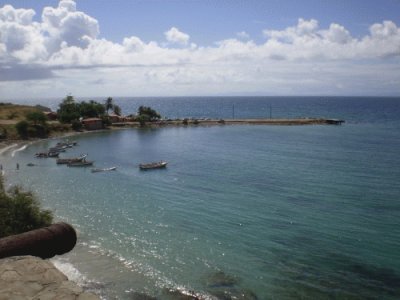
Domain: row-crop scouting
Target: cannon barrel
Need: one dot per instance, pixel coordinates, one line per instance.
(44, 242)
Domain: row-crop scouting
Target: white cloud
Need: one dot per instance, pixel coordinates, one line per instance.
(175, 36)
(243, 35)
(298, 58)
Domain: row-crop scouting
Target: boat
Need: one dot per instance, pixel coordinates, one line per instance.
(53, 154)
(57, 149)
(104, 169)
(47, 154)
(153, 165)
(80, 158)
(83, 163)
(42, 155)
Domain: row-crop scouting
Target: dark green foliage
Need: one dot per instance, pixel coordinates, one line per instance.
(76, 125)
(20, 212)
(70, 111)
(91, 109)
(148, 111)
(36, 117)
(142, 119)
(22, 129)
(117, 110)
(38, 130)
(109, 104)
(36, 127)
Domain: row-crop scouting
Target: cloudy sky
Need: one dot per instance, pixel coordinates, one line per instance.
(93, 48)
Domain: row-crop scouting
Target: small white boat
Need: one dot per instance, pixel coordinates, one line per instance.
(104, 169)
(153, 165)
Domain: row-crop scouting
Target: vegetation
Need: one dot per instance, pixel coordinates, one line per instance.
(15, 112)
(36, 117)
(109, 104)
(20, 212)
(70, 110)
(147, 114)
(34, 125)
(22, 129)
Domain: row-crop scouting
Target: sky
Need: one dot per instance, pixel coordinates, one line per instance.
(101, 48)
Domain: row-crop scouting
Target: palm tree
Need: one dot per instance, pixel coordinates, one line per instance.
(117, 110)
(109, 104)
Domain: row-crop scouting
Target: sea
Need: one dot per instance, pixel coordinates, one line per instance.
(241, 211)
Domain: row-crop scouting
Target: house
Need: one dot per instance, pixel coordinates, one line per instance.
(92, 123)
(114, 118)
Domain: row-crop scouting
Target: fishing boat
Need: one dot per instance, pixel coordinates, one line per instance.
(42, 155)
(80, 158)
(104, 169)
(83, 163)
(53, 154)
(47, 154)
(153, 165)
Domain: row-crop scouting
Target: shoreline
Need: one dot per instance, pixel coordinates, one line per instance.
(7, 145)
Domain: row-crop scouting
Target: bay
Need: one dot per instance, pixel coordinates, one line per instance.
(252, 212)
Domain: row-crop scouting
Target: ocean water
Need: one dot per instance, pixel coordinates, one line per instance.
(241, 212)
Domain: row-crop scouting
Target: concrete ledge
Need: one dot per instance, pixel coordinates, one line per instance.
(28, 277)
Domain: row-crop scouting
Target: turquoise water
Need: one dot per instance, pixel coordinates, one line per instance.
(246, 212)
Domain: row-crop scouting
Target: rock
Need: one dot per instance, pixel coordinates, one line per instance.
(220, 279)
(28, 277)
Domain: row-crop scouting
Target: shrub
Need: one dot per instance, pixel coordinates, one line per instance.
(76, 125)
(20, 212)
(22, 129)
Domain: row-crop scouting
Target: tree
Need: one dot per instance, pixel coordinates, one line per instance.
(68, 110)
(20, 212)
(148, 111)
(91, 109)
(109, 104)
(117, 110)
(36, 117)
(22, 129)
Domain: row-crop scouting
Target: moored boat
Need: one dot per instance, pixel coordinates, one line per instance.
(47, 154)
(42, 155)
(103, 169)
(71, 160)
(83, 163)
(153, 165)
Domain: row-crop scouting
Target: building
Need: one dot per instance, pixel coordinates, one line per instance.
(92, 124)
(51, 115)
(114, 118)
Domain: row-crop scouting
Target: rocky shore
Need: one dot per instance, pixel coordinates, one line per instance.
(29, 277)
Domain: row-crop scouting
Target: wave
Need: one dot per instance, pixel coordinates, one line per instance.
(73, 274)
(19, 149)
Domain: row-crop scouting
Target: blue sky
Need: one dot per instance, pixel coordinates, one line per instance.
(177, 48)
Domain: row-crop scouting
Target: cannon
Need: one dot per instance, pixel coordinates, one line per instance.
(44, 242)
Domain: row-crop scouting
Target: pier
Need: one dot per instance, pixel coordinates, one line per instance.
(215, 122)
